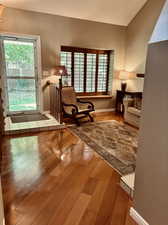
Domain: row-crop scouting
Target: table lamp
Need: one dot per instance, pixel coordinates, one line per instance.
(123, 76)
(59, 72)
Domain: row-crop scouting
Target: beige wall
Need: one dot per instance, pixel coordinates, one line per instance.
(138, 35)
(129, 43)
(57, 30)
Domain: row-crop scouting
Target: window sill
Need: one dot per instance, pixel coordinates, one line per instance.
(95, 97)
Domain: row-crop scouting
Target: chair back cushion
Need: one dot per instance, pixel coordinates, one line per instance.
(68, 95)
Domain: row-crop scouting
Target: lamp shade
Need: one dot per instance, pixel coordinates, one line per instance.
(59, 71)
(124, 75)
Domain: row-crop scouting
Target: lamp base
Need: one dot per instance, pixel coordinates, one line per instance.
(123, 86)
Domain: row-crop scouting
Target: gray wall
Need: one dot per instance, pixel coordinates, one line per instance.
(151, 184)
(139, 32)
(160, 32)
(152, 163)
(57, 30)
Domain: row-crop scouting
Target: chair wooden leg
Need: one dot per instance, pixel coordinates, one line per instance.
(77, 121)
(91, 118)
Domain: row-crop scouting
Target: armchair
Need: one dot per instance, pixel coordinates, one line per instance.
(132, 111)
(70, 106)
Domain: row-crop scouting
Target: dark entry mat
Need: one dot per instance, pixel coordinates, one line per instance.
(28, 118)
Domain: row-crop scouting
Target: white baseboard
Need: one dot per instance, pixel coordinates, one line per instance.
(104, 110)
(138, 219)
(46, 112)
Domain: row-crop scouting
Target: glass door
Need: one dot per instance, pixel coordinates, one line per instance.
(20, 75)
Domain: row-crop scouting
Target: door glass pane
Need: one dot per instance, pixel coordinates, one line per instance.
(21, 94)
(19, 58)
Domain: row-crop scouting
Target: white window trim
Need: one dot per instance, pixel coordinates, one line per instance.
(39, 66)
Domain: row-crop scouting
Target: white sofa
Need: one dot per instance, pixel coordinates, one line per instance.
(132, 114)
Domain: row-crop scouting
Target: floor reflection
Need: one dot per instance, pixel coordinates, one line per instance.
(26, 167)
(27, 159)
(67, 147)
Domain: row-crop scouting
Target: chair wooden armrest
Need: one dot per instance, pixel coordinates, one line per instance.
(90, 104)
(74, 108)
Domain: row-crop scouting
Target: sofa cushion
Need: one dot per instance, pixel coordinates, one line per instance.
(134, 111)
(137, 103)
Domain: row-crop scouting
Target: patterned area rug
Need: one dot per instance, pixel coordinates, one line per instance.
(113, 141)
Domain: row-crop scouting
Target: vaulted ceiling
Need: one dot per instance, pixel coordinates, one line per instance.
(119, 12)
(160, 32)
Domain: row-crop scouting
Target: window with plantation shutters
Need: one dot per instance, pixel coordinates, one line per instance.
(88, 69)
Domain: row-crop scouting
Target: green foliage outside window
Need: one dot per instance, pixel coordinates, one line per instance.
(20, 63)
(19, 53)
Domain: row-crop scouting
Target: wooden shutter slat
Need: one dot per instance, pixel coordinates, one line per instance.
(97, 67)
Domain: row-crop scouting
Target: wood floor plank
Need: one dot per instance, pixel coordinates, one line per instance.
(130, 221)
(119, 213)
(48, 184)
(59, 209)
(108, 201)
(97, 197)
(78, 210)
(88, 218)
(90, 186)
(37, 210)
(102, 170)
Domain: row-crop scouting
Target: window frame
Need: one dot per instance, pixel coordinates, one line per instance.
(87, 51)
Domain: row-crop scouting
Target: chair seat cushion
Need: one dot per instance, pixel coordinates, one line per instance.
(137, 103)
(80, 116)
(84, 110)
(134, 111)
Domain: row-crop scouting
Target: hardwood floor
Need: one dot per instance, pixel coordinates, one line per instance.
(53, 178)
(107, 116)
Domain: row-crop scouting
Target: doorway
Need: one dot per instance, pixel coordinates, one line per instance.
(21, 75)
